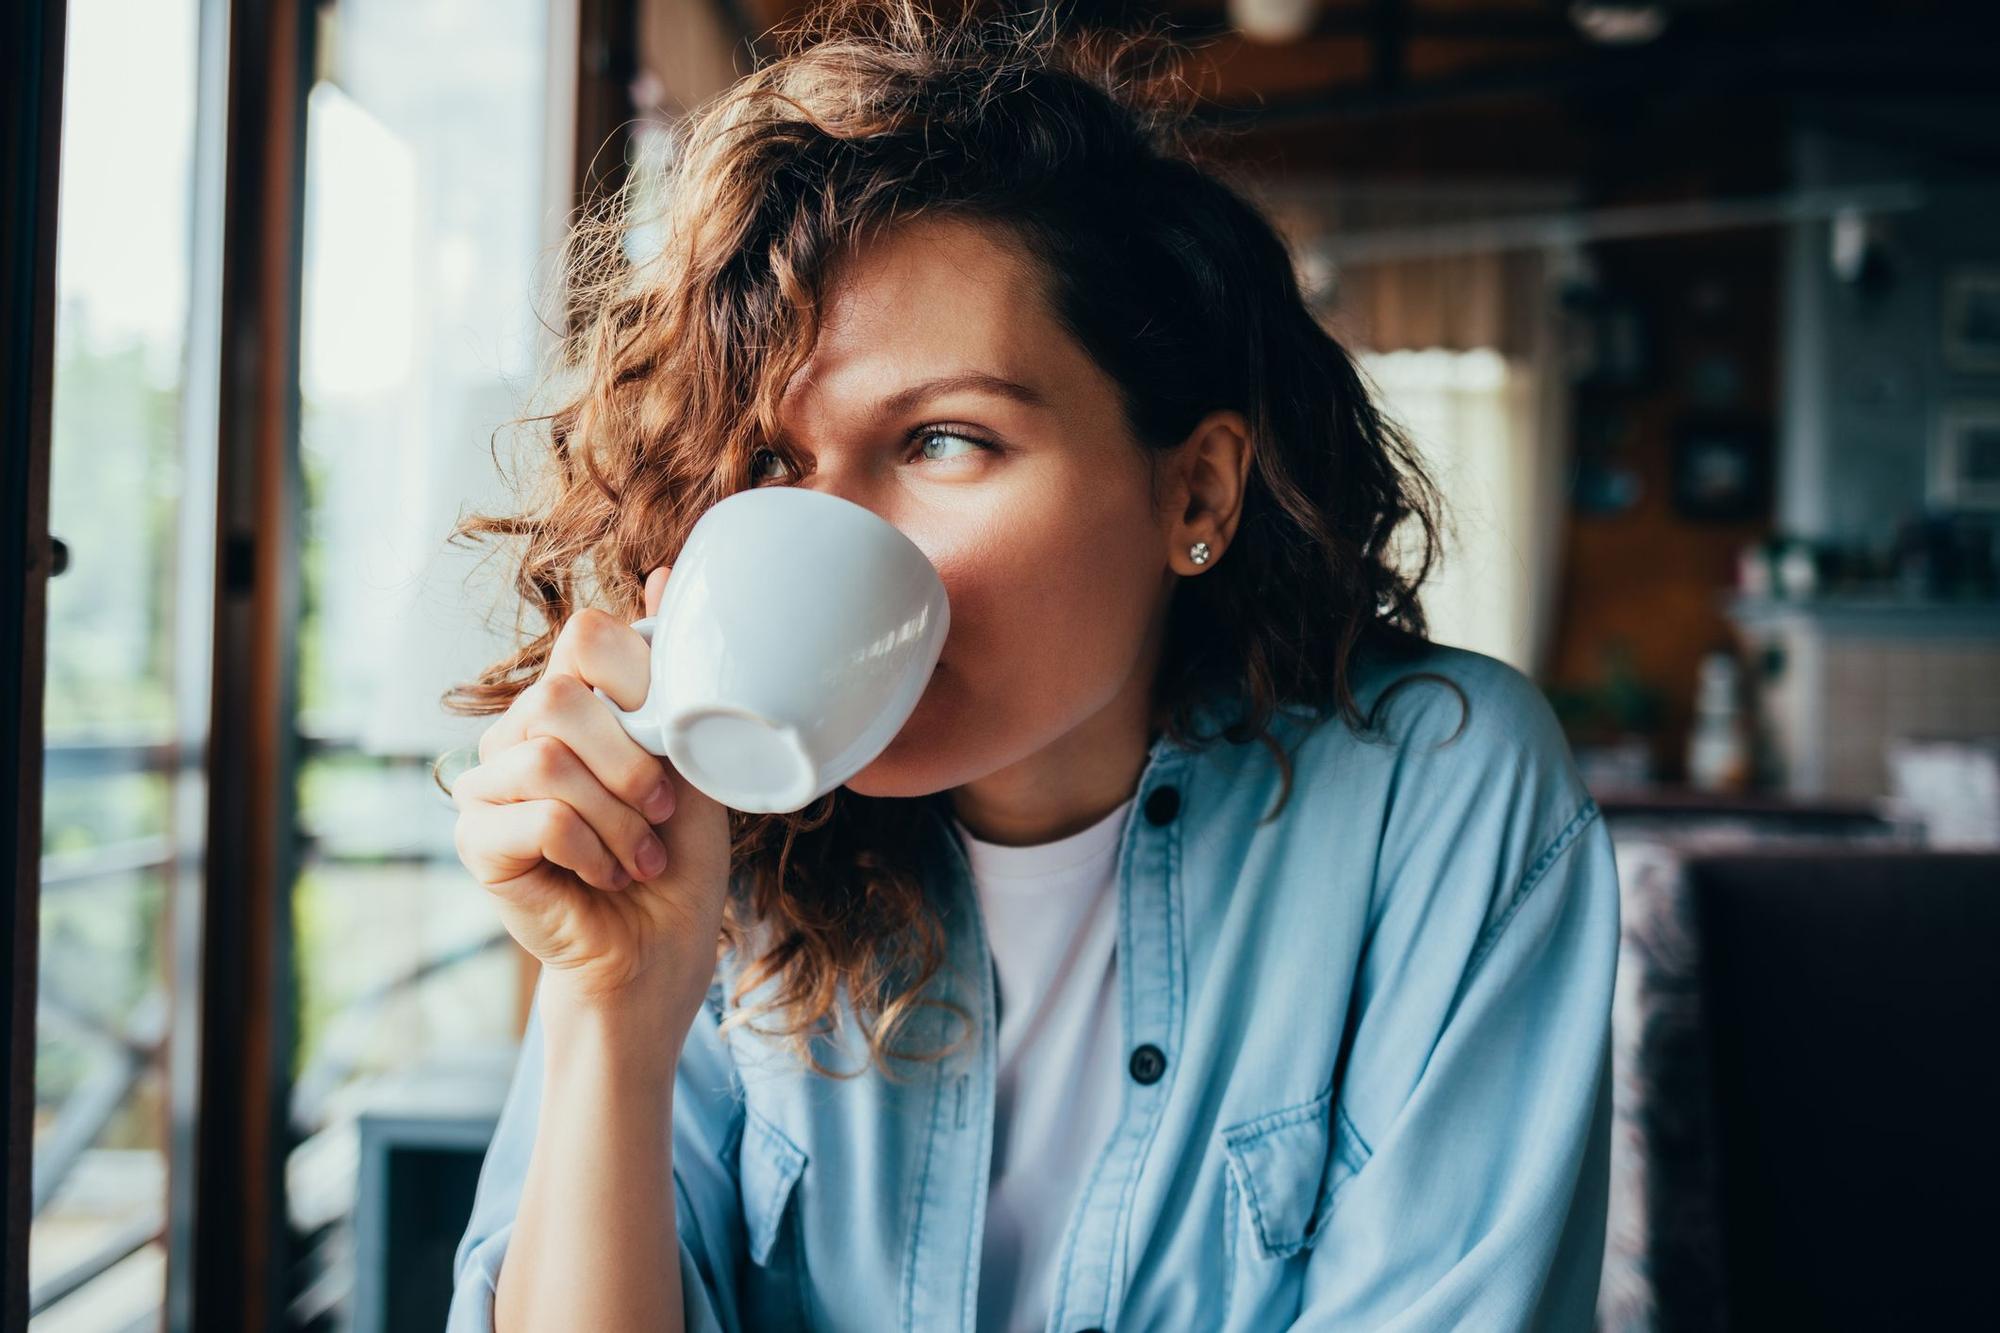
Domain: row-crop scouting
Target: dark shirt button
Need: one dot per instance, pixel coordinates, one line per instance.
(1148, 1064)
(1163, 804)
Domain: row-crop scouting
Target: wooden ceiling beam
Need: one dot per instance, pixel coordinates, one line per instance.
(1886, 59)
(1413, 23)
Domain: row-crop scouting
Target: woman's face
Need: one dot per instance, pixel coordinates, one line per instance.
(1032, 501)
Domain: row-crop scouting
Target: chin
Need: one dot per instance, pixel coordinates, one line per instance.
(906, 768)
(872, 781)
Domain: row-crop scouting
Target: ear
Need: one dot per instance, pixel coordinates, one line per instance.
(1211, 470)
(656, 587)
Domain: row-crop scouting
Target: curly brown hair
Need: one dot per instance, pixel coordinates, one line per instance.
(1084, 148)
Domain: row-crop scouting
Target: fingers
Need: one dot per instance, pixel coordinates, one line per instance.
(606, 652)
(500, 844)
(558, 742)
(594, 647)
(564, 707)
(656, 588)
(545, 767)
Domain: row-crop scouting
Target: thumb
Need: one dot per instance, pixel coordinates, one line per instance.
(656, 587)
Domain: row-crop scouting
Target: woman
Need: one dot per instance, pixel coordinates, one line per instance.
(1208, 951)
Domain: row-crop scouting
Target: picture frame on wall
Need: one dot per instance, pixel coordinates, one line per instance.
(1721, 469)
(1965, 456)
(1972, 321)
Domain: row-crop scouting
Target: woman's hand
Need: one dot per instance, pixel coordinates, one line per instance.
(606, 864)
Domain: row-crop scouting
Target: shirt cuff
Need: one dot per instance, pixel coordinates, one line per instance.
(472, 1296)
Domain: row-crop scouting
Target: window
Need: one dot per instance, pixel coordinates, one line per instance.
(126, 696)
(1472, 417)
(426, 218)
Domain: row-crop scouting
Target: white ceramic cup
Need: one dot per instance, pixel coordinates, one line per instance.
(796, 635)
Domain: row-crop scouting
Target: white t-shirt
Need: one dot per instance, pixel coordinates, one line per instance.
(1051, 914)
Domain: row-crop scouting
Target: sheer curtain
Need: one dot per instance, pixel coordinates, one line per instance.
(1479, 421)
(1459, 344)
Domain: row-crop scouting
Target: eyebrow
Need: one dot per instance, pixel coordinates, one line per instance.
(969, 381)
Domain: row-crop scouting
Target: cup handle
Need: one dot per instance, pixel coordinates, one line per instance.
(640, 723)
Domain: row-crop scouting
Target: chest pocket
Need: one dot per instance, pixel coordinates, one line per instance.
(1284, 1169)
(773, 1285)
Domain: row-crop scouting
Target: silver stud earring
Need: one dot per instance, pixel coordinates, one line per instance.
(1198, 553)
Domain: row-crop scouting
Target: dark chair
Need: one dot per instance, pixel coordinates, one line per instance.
(1852, 1007)
(424, 1135)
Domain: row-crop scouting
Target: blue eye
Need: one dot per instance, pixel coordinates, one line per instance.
(760, 458)
(926, 435)
(756, 477)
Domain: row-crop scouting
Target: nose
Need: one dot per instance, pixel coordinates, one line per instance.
(877, 494)
(854, 485)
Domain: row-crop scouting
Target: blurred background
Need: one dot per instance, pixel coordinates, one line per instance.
(1693, 304)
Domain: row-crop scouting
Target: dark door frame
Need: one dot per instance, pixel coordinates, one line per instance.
(31, 64)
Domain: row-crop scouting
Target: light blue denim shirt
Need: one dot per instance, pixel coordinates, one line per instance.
(1367, 1064)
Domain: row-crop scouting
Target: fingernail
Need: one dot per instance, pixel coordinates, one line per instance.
(619, 877)
(651, 858)
(661, 803)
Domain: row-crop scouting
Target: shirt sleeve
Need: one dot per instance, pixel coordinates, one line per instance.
(707, 1207)
(1481, 1194)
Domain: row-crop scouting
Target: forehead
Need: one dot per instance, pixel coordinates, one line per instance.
(933, 297)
